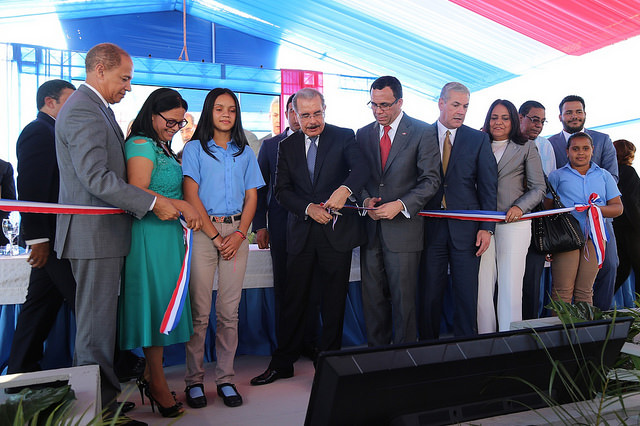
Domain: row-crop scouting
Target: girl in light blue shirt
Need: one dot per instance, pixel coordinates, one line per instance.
(221, 178)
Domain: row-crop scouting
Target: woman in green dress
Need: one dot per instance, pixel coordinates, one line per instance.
(157, 247)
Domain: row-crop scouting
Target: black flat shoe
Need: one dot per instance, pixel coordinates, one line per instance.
(229, 395)
(270, 376)
(198, 401)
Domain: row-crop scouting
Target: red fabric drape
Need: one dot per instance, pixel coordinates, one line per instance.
(293, 80)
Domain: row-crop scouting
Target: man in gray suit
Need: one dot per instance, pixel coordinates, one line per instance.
(403, 157)
(90, 151)
(573, 116)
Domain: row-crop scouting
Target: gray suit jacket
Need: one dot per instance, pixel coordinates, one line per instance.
(411, 174)
(520, 177)
(90, 150)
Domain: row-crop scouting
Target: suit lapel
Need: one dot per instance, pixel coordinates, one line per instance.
(112, 121)
(400, 140)
(374, 141)
(458, 146)
(300, 155)
(110, 118)
(324, 146)
(509, 152)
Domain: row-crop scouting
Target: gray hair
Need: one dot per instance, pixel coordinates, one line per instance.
(453, 86)
(306, 93)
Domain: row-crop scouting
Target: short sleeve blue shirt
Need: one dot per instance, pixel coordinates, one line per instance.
(574, 188)
(222, 180)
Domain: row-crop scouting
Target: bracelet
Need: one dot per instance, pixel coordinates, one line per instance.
(244, 237)
(215, 236)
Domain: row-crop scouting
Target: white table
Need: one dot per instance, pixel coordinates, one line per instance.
(14, 274)
(14, 279)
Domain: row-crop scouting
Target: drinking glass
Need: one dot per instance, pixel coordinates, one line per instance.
(10, 230)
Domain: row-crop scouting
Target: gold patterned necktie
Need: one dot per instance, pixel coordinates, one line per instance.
(446, 154)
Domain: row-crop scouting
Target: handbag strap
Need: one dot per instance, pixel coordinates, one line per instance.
(554, 194)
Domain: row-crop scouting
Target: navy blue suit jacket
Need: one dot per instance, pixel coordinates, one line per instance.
(269, 213)
(471, 183)
(604, 153)
(38, 175)
(338, 162)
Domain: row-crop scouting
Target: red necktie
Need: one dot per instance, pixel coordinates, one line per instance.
(385, 146)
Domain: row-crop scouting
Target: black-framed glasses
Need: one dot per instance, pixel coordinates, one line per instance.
(536, 120)
(384, 106)
(173, 123)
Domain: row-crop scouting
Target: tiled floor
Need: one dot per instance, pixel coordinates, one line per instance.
(281, 403)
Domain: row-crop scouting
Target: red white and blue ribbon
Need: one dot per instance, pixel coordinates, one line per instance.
(487, 215)
(52, 208)
(597, 229)
(176, 304)
(475, 215)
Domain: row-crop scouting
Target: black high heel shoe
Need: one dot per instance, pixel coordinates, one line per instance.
(174, 411)
(143, 385)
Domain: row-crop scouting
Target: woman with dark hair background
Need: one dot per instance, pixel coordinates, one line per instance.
(627, 225)
(221, 180)
(154, 262)
(521, 187)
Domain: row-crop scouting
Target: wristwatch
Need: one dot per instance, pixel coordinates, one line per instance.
(490, 232)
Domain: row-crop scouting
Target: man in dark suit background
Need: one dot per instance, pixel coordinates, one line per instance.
(469, 182)
(573, 116)
(403, 157)
(90, 154)
(51, 281)
(318, 169)
(270, 221)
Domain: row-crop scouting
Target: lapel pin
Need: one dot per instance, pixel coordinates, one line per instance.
(404, 133)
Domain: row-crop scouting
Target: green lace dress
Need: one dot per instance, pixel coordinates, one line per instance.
(152, 267)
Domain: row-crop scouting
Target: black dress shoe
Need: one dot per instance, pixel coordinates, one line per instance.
(198, 401)
(127, 406)
(229, 395)
(270, 376)
(130, 369)
(310, 352)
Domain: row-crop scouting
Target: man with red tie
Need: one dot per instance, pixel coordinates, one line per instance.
(403, 157)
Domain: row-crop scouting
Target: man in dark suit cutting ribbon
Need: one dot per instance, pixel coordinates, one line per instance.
(318, 170)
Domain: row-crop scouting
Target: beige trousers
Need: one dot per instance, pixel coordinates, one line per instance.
(573, 273)
(205, 260)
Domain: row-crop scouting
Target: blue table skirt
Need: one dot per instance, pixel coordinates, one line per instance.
(256, 328)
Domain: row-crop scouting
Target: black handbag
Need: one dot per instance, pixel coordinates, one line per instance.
(556, 233)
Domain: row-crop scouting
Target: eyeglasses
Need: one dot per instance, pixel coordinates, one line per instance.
(307, 116)
(383, 106)
(173, 123)
(536, 120)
